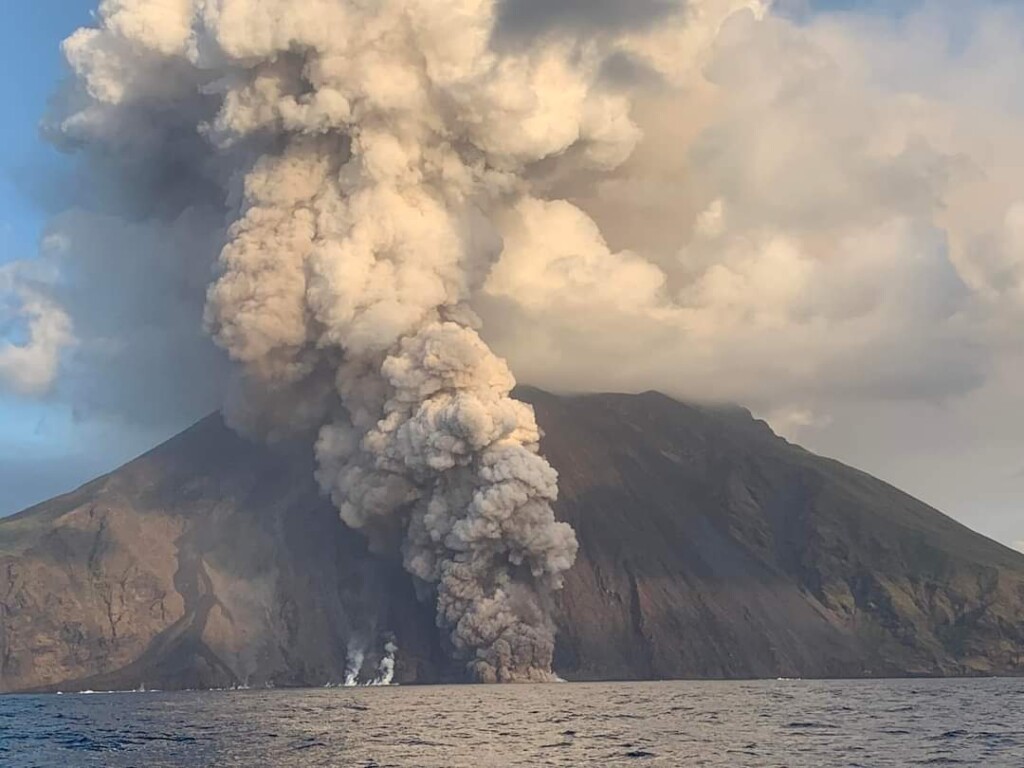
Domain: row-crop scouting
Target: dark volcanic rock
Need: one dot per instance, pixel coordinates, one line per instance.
(713, 548)
(709, 548)
(208, 562)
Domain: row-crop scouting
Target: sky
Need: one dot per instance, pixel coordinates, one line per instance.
(935, 412)
(44, 448)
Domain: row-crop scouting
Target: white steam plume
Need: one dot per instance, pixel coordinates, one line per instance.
(386, 668)
(354, 662)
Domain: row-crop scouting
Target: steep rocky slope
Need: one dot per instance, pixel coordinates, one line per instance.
(710, 548)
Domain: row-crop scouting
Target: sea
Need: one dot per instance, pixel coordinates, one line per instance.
(730, 724)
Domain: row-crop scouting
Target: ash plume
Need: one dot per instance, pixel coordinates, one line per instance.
(369, 155)
(361, 237)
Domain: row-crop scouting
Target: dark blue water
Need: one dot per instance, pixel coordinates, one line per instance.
(794, 724)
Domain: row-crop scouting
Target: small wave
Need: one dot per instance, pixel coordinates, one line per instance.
(307, 744)
(640, 754)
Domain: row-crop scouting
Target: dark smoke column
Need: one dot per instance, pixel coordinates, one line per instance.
(454, 462)
(374, 156)
(420, 435)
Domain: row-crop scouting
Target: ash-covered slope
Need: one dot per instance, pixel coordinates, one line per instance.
(709, 548)
(713, 548)
(208, 562)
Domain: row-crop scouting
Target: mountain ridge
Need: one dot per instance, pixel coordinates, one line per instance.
(710, 548)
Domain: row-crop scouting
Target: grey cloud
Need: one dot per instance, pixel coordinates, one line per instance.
(519, 18)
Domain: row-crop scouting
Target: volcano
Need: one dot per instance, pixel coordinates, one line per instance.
(709, 548)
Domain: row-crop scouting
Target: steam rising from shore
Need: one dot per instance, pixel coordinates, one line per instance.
(386, 668)
(353, 662)
(385, 674)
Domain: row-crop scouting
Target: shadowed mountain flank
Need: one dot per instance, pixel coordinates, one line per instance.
(709, 548)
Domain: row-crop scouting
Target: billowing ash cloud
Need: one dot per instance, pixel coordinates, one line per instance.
(730, 204)
(380, 143)
(369, 157)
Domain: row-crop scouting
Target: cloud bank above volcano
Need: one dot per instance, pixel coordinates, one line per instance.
(816, 215)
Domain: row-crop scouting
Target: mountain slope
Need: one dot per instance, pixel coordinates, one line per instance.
(713, 548)
(709, 548)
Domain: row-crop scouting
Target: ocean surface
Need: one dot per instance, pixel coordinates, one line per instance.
(783, 723)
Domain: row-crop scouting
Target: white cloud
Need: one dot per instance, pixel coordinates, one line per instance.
(808, 225)
(813, 212)
(29, 364)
